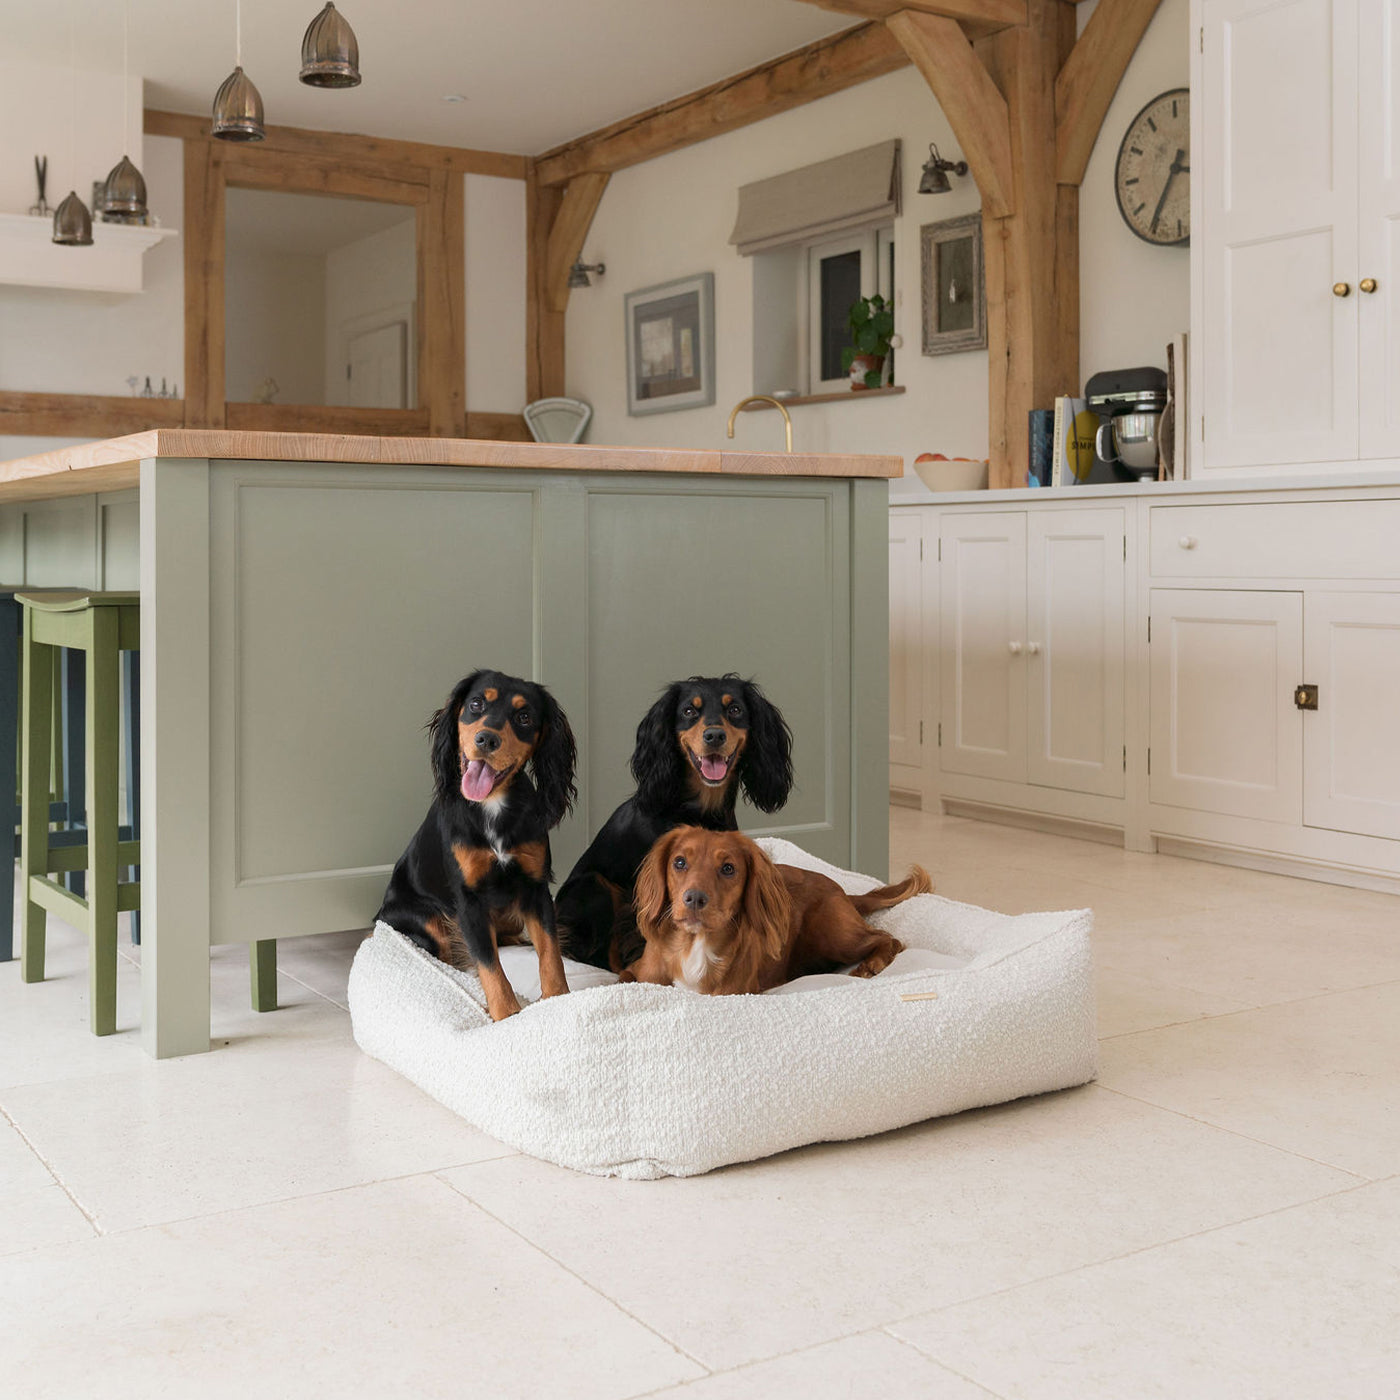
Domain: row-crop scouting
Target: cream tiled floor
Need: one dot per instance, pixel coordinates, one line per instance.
(1219, 1215)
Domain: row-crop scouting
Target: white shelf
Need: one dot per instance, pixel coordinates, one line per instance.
(30, 258)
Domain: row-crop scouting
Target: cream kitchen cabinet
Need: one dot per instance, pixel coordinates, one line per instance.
(1125, 662)
(906, 651)
(1032, 647)
(1295, 234)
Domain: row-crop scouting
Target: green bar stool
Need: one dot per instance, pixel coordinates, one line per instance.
(103, 625)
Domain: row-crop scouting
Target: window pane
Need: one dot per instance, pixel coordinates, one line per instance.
(840, 280)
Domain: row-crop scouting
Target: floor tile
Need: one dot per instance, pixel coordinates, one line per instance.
(1129, 1003)
(21, 1169)
(869, 1366)
(402, 1289)
(1317, 1077)
(33, 1217)
(254, 1121)
(1292, 1306)
(763, 1259)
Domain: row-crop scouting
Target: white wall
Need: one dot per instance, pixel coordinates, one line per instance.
(495, 293)
(671, 217)
(275, 325)
(364, 278)
(1132, 297)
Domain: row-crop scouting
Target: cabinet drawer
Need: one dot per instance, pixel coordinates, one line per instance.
(1283, 539)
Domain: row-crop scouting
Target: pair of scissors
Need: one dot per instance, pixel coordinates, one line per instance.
(41, 174)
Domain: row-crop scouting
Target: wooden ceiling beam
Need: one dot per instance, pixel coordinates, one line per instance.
(979, 17)
(827, 66)
(1089, 78)
(375, 150)
(972, 102)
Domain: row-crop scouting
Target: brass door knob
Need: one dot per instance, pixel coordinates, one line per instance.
(1341, 289)
(1368, 284)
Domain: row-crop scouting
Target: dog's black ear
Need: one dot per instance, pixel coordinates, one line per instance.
(656, 760)
(554, 760)
(442, 741)
(766, 772)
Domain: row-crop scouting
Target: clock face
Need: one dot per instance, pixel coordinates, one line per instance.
(1153, 176)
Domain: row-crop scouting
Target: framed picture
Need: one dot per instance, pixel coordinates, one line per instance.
(671, 345)
(955, 292)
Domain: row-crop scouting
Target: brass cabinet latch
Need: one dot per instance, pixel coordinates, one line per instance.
(1305, 697)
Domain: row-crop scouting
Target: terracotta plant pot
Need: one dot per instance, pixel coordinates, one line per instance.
(862, 365)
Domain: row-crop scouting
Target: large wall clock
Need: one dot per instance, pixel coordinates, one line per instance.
(1152, 178)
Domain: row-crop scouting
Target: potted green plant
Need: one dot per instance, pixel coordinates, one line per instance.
(871, 323)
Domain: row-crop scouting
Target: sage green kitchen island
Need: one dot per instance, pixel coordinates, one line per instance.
(308, 600)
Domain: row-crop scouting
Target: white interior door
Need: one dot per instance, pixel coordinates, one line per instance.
(1225, 734)
(1075, 649)
(982, 570)
(1379, 230)
(1277, 222)
(1351, 742)
(906, 637)
(377, 367)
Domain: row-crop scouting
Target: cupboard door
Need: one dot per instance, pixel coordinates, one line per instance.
(1351, 742)
(1276, 218)
(1379, 230)
(982, 569)
(906, 637)
(1075, 650)
(1225, 734)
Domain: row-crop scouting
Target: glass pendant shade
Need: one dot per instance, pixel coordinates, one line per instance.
(238, 109)
(72, 224)
(124, 195)
(330, 53)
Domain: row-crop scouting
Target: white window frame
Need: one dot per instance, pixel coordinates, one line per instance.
(873, 245)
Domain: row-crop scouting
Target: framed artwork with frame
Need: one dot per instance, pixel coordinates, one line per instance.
(671, 345)
(954, 288)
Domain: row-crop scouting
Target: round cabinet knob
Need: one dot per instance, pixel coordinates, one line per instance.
(1033, 648)
(1014, 648)
(1368, 284)
(1341, 289)
(1187, 542)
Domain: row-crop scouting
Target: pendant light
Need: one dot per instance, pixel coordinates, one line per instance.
(238, 108)
(72, 224)
(330, 53)
(124, 195)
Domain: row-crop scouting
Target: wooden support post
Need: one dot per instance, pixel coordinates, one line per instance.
(204, 285)
(442, 318)
(544, 328)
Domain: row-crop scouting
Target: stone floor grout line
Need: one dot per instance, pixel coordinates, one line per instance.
(573, 1273)
(1360, 1177)
(962, 1375)
(49, 1167)
(1242, 1011)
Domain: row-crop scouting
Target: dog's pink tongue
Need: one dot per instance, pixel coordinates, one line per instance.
(713, 768)
(477, 781)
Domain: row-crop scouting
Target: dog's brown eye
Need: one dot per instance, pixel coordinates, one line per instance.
(476, 705)
(727, 870)
(689, 712)
(735, 712)
(679, 863)
(523, 720)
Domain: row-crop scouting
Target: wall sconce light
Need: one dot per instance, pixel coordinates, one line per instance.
(935, 177)
(578, 273)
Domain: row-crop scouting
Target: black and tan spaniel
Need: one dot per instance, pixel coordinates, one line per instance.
(477, 871)
(703, 741)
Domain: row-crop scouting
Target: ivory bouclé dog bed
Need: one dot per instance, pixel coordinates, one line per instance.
(642, 1081)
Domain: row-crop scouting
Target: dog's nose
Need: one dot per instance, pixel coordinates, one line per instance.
(487, 740)
(695, 900)
(714, 736)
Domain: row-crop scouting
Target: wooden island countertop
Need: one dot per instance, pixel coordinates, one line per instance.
(114, 464)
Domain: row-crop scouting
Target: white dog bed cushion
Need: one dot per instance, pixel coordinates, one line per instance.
(642, 1081)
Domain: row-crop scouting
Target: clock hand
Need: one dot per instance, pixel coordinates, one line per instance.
(1176, 167)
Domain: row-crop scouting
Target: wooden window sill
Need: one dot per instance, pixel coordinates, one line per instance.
(847, 395)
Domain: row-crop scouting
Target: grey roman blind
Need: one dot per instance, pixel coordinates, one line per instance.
(860, 187)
